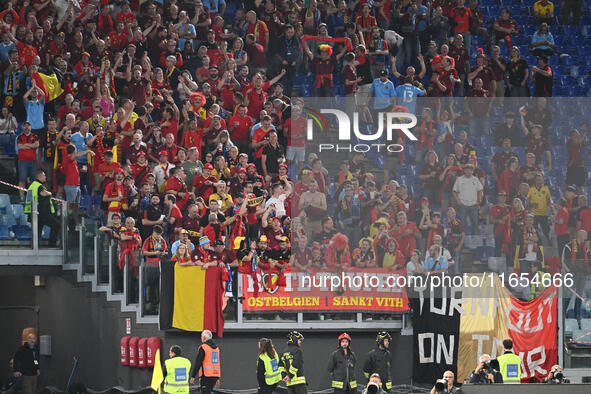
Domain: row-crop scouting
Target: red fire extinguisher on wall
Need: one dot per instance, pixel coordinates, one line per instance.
(125, 350)
(141, 352)
(133, 351)
(152, 345)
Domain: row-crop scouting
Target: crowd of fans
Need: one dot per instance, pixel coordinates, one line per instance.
(183, 121)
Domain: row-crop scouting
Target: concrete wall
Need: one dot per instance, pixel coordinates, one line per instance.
(84, 325)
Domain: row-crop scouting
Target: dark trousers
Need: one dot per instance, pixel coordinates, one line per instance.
(267, 389)
(347, 390)
(297, 389)
(562, 240)
(207, 384)
(53, 223)
(542, 221)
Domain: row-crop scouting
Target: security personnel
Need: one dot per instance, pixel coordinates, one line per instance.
(510, 364)
(176, 371)
(268, 368)
(38, 192)
(341, 366)
(293, 363)
(207, 363)
(378, 360)
(538, 286)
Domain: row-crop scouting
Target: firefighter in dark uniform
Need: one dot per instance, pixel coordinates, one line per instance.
(378, 360)
(293, 363)
(341, 366)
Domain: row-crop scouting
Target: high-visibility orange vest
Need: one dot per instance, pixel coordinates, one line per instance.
(211, 366)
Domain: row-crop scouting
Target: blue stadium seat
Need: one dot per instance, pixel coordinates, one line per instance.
(569, 61)
(574, 71)
(18, 210)
(22, 232)
(5, 233)
(4, 201)
(85, 201)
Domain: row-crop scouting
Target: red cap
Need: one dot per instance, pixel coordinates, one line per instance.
(142, 153)
(251, 165)
(119, 171)
(163, 153)
(241, 170)
(276, 218)
(283, 165)
(85, 54)
(507, 140)
(208, 166)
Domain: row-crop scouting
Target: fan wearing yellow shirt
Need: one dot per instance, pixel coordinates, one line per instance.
(222, 196)
(539, 200)
(543, 11)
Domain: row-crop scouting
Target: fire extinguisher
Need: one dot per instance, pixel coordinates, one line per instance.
(141, 352)
(125, 350)
(133, 351)
(152, 345)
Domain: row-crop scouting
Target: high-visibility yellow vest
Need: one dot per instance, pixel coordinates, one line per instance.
(510, 365)
(272, 371)
(33, 195)
(177, 375)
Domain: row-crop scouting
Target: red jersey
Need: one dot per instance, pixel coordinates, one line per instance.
(28, 154)
(192, 139)
(70, 170)
(295, 131)
(201, 189)
(241, 129)
(178, 185)
(561, 229)
(114, 190)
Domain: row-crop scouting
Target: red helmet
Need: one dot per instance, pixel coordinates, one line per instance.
(344, 336)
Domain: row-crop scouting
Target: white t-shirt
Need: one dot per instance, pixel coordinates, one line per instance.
(279, 204)
(467, 189)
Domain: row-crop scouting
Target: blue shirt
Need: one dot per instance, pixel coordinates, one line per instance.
(213, 5)
(432, 264)
(191, 30)
(408, 93)
(541, 38)
(35, 113)
(382, 93)
(80, 142)
(175, 246)
(4, 49)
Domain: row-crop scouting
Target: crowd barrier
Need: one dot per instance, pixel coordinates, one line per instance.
(78, 389)
(526, 389)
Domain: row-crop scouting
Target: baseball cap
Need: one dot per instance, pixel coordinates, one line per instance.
(501, 193)
(383, 73)
(183, 231)
(204, 240)
(219, 242)
(219, 183)
(263, 238)
(163, 153)
(208, 166)
(241, 170)
(507, 140)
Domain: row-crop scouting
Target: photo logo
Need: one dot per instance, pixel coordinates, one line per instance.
(390, 126)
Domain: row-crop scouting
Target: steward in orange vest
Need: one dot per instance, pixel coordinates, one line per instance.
(207, 364)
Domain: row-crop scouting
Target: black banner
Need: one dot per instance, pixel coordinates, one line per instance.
(436, 333)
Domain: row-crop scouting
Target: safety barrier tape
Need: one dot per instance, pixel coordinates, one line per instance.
(24, 190)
